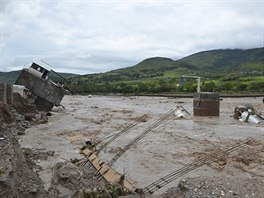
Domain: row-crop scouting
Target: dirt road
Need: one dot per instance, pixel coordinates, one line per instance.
(170, 146)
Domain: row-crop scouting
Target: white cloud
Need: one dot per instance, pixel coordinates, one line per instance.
(92, 36)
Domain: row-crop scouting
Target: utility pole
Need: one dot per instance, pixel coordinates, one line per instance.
(198, 79)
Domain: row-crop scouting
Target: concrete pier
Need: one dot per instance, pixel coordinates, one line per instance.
(206, 104)
(6, 93)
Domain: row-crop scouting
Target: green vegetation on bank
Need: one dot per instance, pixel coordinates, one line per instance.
(225, 71)
(170, 85)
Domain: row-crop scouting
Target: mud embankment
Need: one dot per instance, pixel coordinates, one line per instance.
(17, 178)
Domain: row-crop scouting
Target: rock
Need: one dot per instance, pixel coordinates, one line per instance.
(21, 133)
(215, 187)
(73, 178)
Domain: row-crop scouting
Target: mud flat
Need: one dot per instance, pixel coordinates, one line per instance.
(169, 147)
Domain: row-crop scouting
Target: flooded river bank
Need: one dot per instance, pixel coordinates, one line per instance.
(173, 144)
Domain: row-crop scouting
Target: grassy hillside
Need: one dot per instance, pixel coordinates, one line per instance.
(213, 61)
(221, 70)
(154, 64)
(226, 60)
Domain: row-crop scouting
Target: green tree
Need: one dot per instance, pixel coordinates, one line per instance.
(143, 87)
(241, 87)
(208, 87)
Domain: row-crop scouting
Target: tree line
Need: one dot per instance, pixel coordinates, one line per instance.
(162, 86)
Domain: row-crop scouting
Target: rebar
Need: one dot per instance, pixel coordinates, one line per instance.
(125, 130)
(140, 136)
(135, 140)
(188, 168)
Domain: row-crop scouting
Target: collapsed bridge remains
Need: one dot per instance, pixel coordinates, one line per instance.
(114, 177)
(104, 169)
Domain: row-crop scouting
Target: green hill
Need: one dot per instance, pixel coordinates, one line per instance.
(202, 63)
(221, 70)
(227, 60)
(10, 77)
(212, 61)
(154, 64)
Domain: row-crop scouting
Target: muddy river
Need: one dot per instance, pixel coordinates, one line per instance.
(173, 144)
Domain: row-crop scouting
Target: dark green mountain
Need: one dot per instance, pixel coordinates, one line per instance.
(213, 61)
(155, 64)
(227, 60)
(10, 77)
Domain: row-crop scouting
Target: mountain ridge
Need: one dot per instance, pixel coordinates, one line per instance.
(209, 60)
(224, 60)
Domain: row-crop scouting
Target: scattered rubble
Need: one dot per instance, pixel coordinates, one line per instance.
(25, 110)
(68, 179)
(37, 154)
(106, 191)
(6, 117)
(17, 179)
(247, 113)
(215, 187)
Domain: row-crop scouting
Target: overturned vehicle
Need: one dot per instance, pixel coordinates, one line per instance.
(45, 93)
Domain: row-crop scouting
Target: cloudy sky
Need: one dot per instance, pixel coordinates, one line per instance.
(85, 36)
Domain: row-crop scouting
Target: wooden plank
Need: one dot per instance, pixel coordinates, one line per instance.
(87, 152)
(110, 175)
(76, 137)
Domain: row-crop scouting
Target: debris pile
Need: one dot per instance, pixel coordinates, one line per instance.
(6, 117)
(216, 187)
(18, 168)
(247, 113)
(105, 191)
(28, 111)
(17, 179)
(68, 180)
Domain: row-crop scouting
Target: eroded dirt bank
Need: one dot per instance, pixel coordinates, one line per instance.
(17, 178)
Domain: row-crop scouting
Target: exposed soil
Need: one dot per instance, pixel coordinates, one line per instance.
(214, 187)
(6, 116)
(17, 178)
(69, 179)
